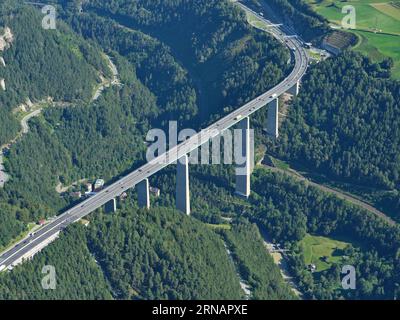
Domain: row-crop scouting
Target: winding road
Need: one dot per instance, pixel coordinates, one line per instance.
(4, 177)
(50, 231)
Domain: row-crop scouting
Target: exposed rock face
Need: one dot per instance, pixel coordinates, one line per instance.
(2, 62)
(6, 39)
(3, 84)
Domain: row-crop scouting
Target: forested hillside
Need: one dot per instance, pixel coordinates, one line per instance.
(297, 14)
(228, 61)
(255, 264)
(192, 61)
(156, 254)
(346, 123)
(154, 66)
(289, 210)
(42, 63)
(77, 274)
(11, 224)
(162, 254)
(102, 140)
(105, 138)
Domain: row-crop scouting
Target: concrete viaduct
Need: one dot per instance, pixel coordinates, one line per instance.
(244, 169)
(179, 154)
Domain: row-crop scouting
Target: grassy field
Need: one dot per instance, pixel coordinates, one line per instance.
(371, 15)
(280, 164)
(379, 46)
(390, 9)
(377, 26)
(322, 251)
(256, 22)
(219, 226)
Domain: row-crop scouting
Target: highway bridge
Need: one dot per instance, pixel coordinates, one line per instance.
(139, 178)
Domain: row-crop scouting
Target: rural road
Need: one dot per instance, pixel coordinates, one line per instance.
(105, 83)
(25, 129)
(24, 121)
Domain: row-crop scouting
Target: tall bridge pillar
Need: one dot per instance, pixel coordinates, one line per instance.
(243, 158)
(144, 194)
(294, 91)
(182, 185)
(273, 118)
(111, 206)
(252, 151)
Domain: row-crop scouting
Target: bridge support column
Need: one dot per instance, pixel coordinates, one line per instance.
(243, 158)
(294, 91)
(252, 151)
(111, 206)
(144, 194)
(182, 185)
(273, 118)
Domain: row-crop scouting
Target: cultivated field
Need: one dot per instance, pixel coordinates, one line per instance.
(377, 26)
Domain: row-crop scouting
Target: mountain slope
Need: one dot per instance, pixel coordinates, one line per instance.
(43, 63)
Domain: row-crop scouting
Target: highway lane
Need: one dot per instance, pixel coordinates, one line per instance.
(116, 189)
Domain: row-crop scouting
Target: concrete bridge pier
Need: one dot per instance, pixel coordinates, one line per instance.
(252, 152)
(273, 119)
(111, 206)
(143, 190)
(243, 158)
(294, 91)
(182, 185)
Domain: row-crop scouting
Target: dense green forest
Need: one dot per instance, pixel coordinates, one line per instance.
(173, 66)
(255, 264)
(11, 224)
(43, 63)
(345, 124)
(153, 64)
(71, 144)
(162, 255)
(228, 61)
(105, 138)
(77, 274)
(151, 254)
(297, 14)
(289, 210)
(157, 254)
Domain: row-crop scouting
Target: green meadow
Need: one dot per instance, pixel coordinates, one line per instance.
(377, 26)
(322, 251)
(379, 46)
